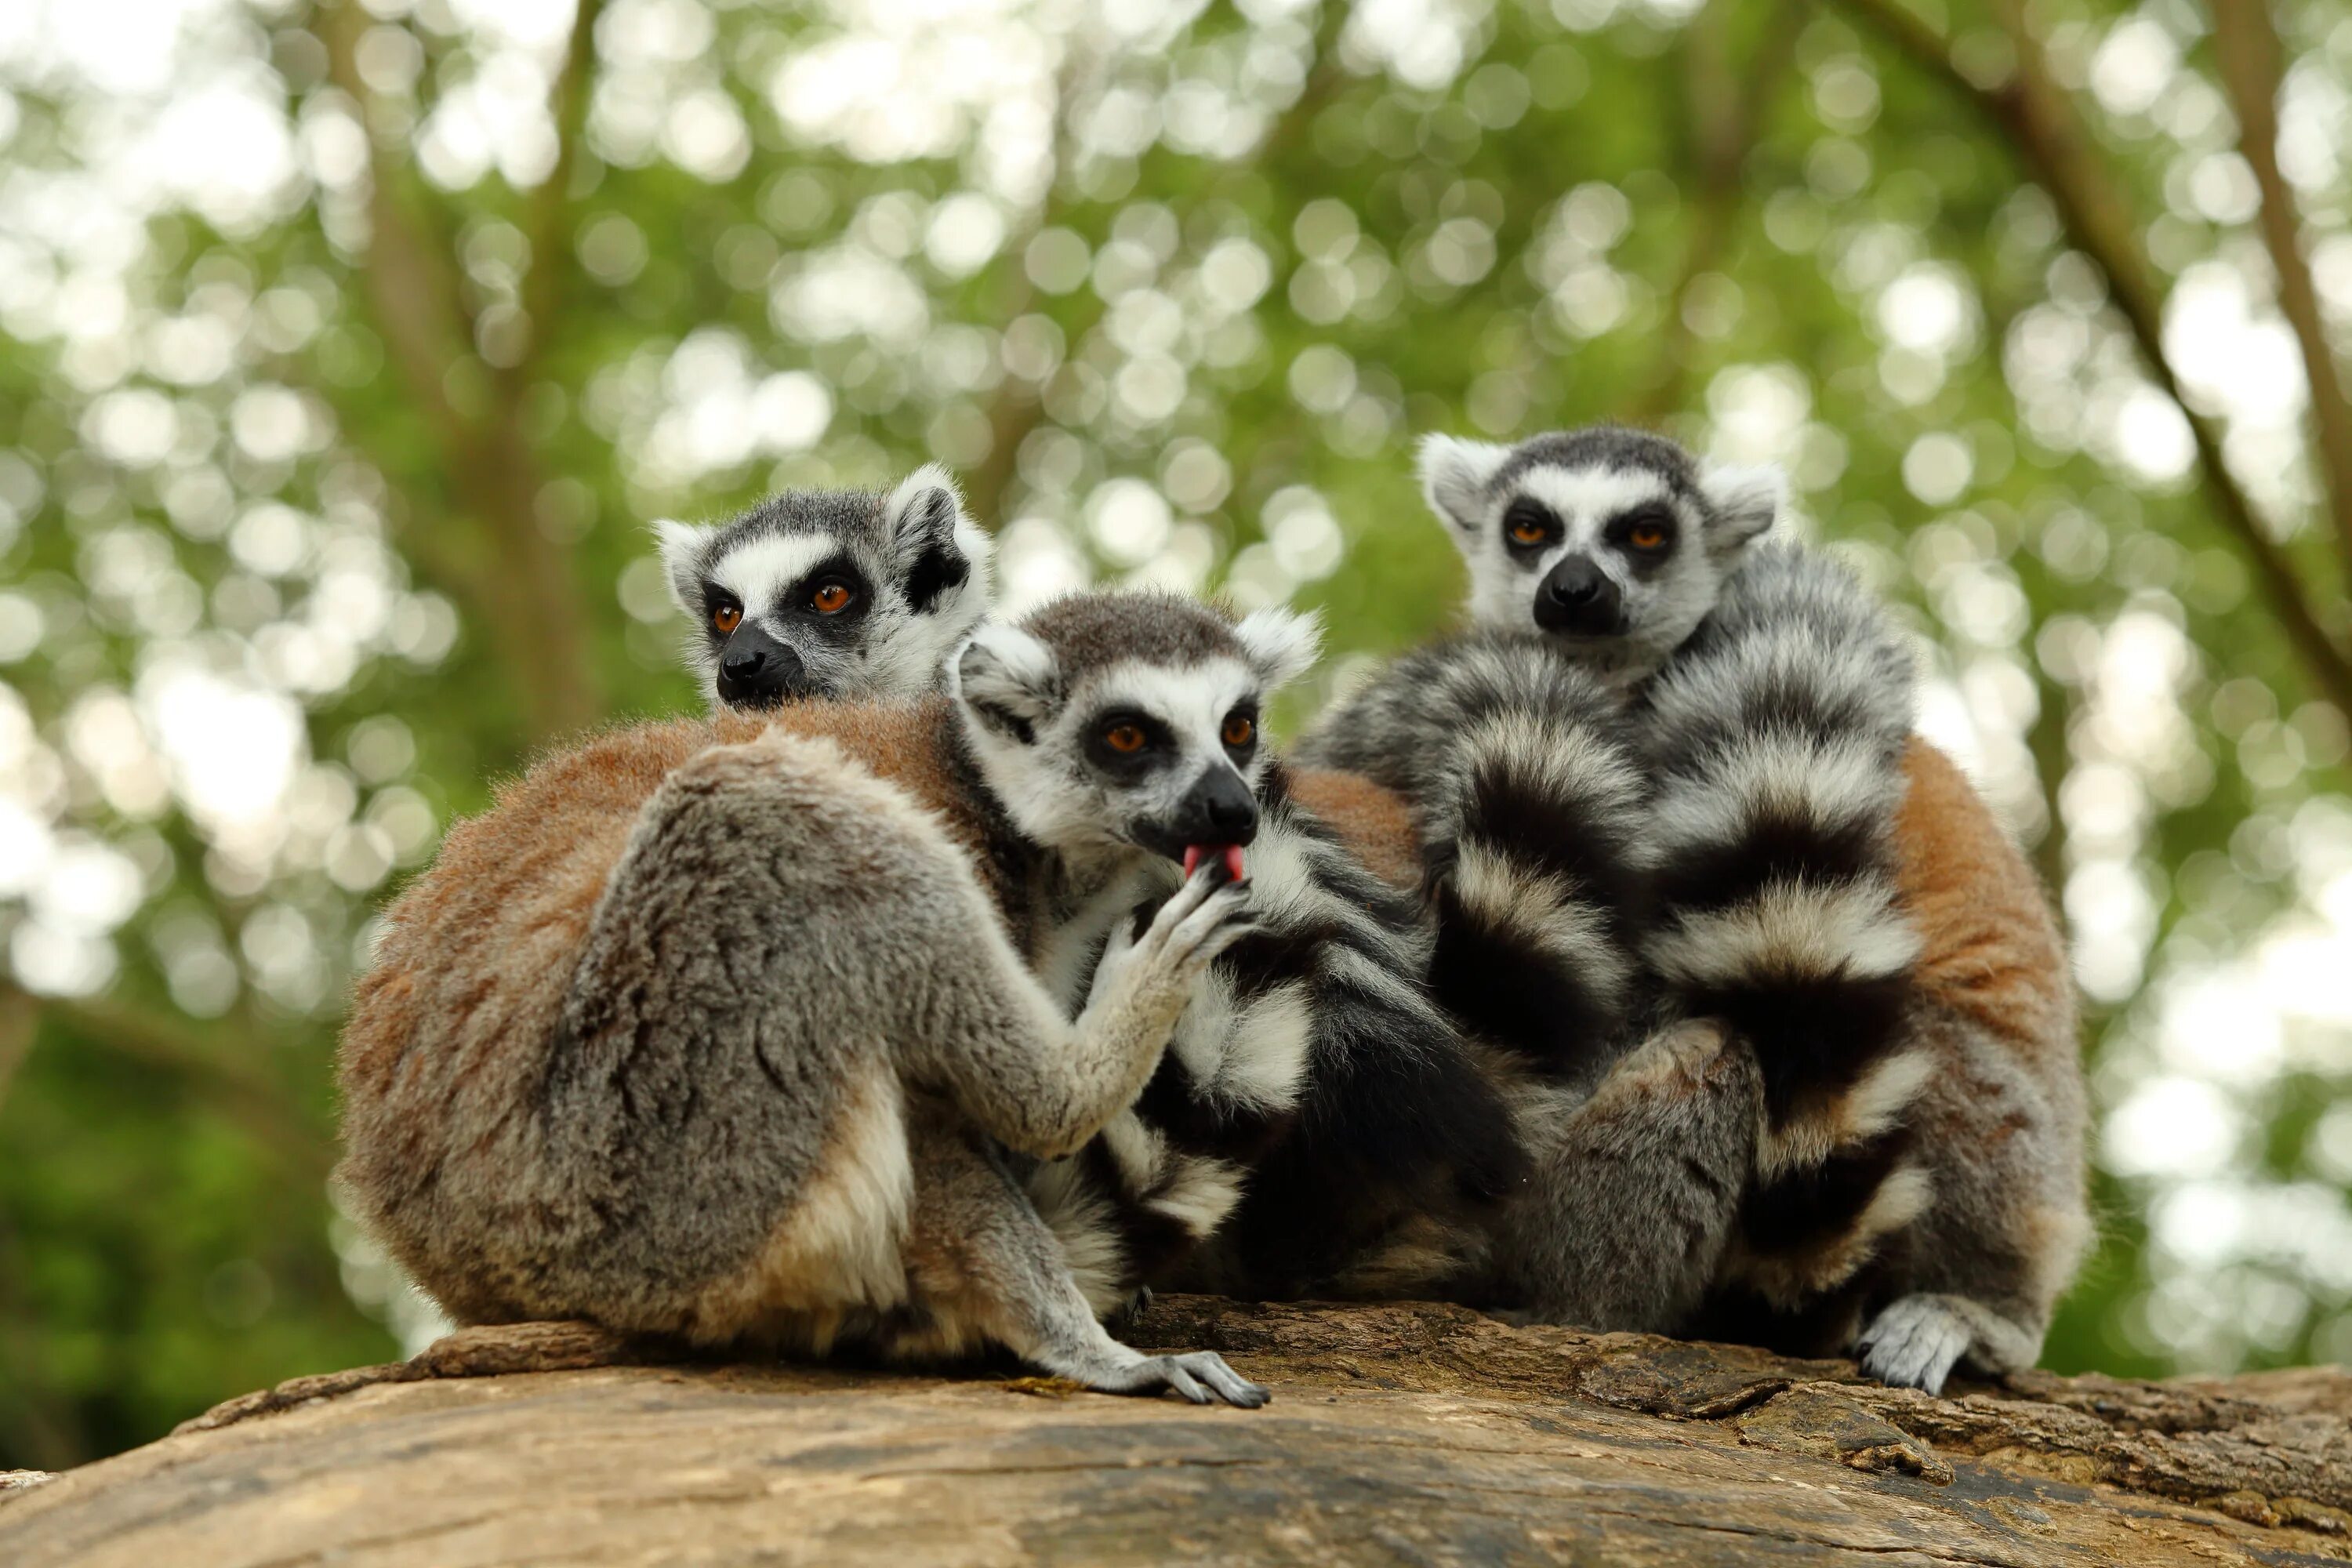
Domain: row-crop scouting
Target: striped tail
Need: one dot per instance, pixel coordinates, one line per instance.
(1523, 769)
(1776, 739)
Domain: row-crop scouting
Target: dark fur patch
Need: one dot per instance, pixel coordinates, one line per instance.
(1814, 1036)
(1524, 999)
(935, 570)
(1772, 847)
(1806, 1209)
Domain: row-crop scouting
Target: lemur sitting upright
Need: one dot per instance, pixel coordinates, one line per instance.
(1316, 1113)
(1826, 885)
(720, 1028)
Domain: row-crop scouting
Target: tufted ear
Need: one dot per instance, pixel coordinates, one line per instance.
(682, 545)
(1006, 679)
(1282, 644)
(1454, 475)
(1743, 500)
(937, 548)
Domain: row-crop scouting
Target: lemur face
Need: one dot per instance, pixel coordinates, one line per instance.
(830, 594)
(1613, 540)
(1129, 720)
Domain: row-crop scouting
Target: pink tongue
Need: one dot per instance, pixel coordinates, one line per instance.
(1195, 853)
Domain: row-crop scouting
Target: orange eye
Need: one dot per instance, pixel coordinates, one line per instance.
(1240, 731)
(830, 599)
(1647, 536)
(727, 617)
(1127, 739)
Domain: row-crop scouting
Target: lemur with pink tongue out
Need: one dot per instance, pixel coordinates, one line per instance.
(1315, 1114)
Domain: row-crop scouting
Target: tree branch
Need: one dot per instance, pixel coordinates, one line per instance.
(2035, 116)
(551, 261)
(2246, 48)
(1727, 105)
(520, 592)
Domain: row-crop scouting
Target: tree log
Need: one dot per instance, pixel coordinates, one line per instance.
(1405, 1433)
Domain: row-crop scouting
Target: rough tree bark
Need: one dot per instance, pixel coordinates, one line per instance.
(1407, 1433)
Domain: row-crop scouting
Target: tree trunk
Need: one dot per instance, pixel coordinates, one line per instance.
(1402, 1433)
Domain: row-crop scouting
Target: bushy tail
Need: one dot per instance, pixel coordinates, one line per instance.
(1521, 766)
(1775, 740)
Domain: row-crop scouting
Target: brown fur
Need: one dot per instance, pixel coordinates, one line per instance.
(1990, 948)
(1376, 824)
(2000, 1122)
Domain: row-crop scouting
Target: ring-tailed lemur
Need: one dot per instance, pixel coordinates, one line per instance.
(717, 1028)
(1314, 1105)
(1918, 1164)
(830, 594)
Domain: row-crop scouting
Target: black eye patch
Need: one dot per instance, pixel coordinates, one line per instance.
(801, 599)
(1127, 745)
(1646, 534)
(1529, 525)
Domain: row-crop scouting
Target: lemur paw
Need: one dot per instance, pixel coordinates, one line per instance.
(1201, 1376)
(1205, 916)
(1915, 1344)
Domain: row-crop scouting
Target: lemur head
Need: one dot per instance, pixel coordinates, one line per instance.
(1107, 720)
(830, 593)
(1615, 539)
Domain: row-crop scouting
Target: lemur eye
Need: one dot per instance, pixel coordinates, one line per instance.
(1240, 731)
(1127, 739)
(1647, 534)
(726, 618)
(830, 598)
(1527, 524)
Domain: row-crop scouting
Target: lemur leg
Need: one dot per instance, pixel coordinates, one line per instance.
(1042, 1084)
(1915, 1342)
(1635, 1190)
(981, 1263)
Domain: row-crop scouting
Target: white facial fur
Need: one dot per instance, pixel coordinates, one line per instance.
(1007, 682)
(1663, 604)
(892, 648)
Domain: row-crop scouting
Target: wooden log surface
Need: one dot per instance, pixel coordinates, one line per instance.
(1408, 1434)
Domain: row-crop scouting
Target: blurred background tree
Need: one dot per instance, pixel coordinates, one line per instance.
(348, 351)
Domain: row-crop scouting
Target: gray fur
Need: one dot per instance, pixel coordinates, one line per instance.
(765, 1103)
(1778, 687)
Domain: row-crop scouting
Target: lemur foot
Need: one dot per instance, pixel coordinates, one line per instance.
(1201, 1376)
(1915, 1344)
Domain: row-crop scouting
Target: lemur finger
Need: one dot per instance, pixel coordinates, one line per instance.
(1915, 1344)
(1229, 905)
(1173, 1369)
(1231, 1386)
(1204, 882)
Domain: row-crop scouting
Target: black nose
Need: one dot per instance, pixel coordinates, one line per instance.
(755, 670)
(1219, 809)
(1579, 597)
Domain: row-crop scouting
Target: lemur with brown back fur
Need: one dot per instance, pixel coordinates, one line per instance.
(725, 1028)
(1899, 1088)
(1315, 1113)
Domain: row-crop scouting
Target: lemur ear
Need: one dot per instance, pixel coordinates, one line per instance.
(1454, 478)
(682, 545)
(1006, 678)
(1282, 644)
(1745, 499)
(937, 548)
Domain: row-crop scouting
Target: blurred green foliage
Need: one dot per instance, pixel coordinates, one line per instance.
(348, 354)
